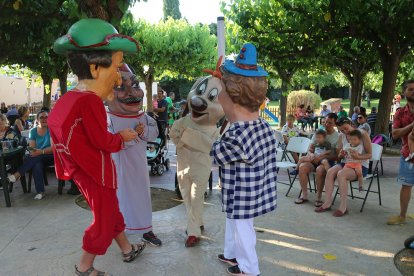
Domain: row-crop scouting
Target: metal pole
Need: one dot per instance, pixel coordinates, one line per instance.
(221, 37)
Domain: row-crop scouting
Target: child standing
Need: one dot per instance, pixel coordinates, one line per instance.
(247, 155)
(155, 101)
(320, 146)
(355, 144)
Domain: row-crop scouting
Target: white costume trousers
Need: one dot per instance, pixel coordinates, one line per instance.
(240, 243)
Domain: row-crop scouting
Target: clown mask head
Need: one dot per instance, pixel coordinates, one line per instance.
(128, 96)
(202, 101)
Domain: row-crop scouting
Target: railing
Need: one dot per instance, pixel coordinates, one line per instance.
(35, 107)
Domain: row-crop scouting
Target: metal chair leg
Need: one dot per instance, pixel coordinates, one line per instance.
(210, 181)
(291, 182)
(379, 190)
(29, 183)
(336, 193)
(366, 195)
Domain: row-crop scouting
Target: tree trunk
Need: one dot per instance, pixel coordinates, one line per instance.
(63, 79)
(283, 99)
(47, 84)
(390, 65)
(149, 80)
(356, 91)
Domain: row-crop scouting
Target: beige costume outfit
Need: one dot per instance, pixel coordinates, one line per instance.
(193, 143)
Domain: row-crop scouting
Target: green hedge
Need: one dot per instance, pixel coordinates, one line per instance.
(305, 97)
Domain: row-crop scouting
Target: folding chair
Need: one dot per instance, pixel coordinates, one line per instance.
(281, 147)
(376, 157)
(299, 145)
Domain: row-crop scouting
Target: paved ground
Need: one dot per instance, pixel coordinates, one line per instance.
(44, 237)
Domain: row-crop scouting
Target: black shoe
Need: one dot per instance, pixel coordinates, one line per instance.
(231, 262)
(235, 270)
(152, 239)
(73, 192)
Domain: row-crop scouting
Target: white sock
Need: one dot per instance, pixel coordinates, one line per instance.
(12, 178)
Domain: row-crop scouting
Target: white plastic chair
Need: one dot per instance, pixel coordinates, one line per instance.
(376, 159)
(281, 148)
(299, 145)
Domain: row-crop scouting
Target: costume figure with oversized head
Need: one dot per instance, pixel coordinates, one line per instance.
(194, 135)
(246, 154)
(134, 193)
(82, 143)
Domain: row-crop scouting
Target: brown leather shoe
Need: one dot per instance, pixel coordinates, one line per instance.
(192, 241)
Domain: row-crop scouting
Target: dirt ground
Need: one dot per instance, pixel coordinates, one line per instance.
(162, 199)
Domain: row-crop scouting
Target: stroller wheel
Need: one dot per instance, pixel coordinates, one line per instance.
(167, 164)
(154, 170)
(160, 169)
(409, 243)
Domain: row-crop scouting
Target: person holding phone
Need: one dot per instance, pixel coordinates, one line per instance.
(41, 155)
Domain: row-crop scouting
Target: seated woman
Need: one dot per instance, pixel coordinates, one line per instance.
(4, 126)
(362, 123)
(22, 123)
(342, 172)
(312, 119)
(301, 116)
(41, 155)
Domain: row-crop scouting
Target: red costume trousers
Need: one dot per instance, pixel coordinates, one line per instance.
(108, 221)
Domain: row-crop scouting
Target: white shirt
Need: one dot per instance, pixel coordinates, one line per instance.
(290, 132)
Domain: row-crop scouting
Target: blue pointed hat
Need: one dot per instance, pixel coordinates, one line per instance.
(246, 63)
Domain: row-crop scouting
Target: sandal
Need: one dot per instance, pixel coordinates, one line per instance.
(339, 213)
(135, 251)
(318, 203)
(321, 209)
(301, 200)
(89, 272)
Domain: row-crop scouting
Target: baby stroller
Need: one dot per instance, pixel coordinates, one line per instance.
(157, 152)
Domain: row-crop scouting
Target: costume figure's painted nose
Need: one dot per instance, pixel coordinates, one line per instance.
(198, 104)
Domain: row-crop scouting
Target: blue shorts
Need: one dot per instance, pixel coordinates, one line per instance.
(406, 173)
(364, 169)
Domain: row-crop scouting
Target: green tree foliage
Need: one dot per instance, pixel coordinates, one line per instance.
(349, 28)
(354, 58)
(29, 28)
(171, 8)
(171, 48)
(270, 27)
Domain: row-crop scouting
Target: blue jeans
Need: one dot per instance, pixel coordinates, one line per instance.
(37, 165)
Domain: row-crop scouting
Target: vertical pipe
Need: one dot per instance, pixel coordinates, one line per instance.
(221, 37)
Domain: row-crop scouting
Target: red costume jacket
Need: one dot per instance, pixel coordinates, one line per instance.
(78, 128)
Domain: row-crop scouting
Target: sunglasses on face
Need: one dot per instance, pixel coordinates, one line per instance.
(360, 117)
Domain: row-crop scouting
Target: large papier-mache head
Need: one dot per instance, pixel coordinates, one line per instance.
(94, 34)
(245, 81)
(128, 96)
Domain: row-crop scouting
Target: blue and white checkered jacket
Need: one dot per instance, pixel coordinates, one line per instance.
(247, 156)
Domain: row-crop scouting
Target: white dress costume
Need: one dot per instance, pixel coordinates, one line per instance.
(134, 192)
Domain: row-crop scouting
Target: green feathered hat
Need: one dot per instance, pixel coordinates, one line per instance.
(94, 34)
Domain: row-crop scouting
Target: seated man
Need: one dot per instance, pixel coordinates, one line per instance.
(332, 137)
(324, 112)
(301, 116)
